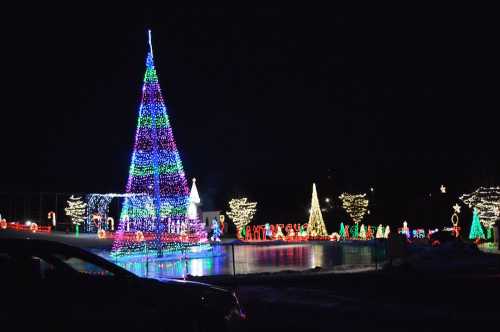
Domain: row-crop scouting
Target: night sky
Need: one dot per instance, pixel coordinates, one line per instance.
(262, 102)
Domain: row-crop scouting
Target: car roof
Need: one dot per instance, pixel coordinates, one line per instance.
(37, 246)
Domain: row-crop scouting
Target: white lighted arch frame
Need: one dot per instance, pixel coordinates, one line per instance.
(454, 219)
(487, 201)
(98, 204)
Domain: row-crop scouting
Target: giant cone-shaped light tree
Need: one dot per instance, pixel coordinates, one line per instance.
(316, 225)
(157, 174)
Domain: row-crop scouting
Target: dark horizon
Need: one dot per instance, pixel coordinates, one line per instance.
(263, 103)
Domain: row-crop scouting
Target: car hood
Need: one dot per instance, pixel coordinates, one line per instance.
(189, 293)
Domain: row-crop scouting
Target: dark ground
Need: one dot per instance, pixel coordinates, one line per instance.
(400, 298)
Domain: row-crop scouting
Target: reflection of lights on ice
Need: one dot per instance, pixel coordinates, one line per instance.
(316, 256)
(196, 267)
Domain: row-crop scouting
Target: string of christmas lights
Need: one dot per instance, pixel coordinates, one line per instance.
(76, 211)
(241, 212)
(487, 201)
(355, 205)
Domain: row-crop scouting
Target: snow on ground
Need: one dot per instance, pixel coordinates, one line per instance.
(451, 257)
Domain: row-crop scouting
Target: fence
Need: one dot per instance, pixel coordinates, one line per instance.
(243, 259)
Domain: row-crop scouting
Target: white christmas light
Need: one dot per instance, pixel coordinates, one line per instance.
(487, 202)
(356, 205)
(76, 211)
(241, 212)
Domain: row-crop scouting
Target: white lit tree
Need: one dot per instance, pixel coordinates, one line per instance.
(241, 212)
(194, 201)
(316, 225)
(76, 211)
(380, 232)
(195, 224)
(355, 205)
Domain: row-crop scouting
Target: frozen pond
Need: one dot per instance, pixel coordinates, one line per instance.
(254, 259)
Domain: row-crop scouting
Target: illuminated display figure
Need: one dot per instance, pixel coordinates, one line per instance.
(156, 171)
(369, 233)
(269, 232)
(303, 231)
(216, 232)
(387, 231)
(362, 232)
(279, 234)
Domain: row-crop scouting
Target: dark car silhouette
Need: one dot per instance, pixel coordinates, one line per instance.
(441, 237)
(54, 284)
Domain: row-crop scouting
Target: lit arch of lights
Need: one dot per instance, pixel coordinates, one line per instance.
(98, 210)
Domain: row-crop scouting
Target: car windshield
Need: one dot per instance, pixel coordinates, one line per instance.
(87, 263)
(82, 265)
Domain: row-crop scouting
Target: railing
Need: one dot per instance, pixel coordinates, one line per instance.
(265, 259)
(33, 227)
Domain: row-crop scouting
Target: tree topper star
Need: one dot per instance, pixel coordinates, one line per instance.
(456, 207)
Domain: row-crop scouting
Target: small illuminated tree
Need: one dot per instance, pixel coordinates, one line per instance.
(354, 231)
(342, 231)
(316, 225)
(76, 211)
(195, 225)
(355, 205)
(194, 202)
(380, 232)
(241, 212)
(476, 230)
